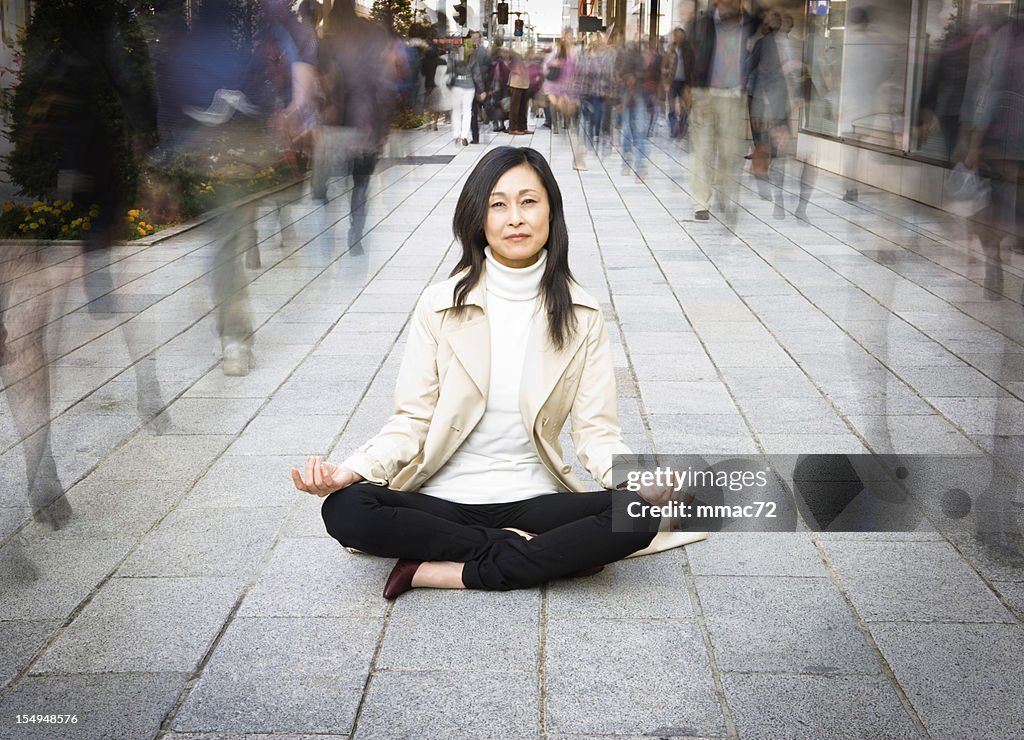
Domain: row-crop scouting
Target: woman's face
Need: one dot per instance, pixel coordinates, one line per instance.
(518, 217)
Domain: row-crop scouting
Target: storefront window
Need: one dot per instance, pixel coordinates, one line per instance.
(950, 30)
(823, 55)
(856, 55)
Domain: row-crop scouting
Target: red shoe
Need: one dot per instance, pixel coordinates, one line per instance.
(400, 579)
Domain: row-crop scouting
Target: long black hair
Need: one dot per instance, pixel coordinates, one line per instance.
(468, 225)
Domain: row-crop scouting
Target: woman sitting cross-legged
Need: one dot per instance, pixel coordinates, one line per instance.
(465, 484)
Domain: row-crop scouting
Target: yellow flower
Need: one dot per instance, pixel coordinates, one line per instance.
(142, 231)
(85, 226)
(33, 225)
(68, 206)
(134, 214)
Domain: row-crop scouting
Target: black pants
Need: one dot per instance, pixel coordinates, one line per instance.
(518, 109)
(362, 170)
(574, 532)
(474, 126)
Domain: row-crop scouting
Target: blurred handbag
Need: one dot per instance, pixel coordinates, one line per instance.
(966, 191)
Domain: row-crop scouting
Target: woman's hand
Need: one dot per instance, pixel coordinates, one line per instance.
(322, 477)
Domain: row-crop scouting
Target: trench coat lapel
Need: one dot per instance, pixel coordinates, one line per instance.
(471, 345)
(470, 340)
(542, 368)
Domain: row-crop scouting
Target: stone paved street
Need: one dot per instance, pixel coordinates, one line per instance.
(195, 594)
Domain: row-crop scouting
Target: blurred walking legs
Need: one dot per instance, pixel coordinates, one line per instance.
(236, 249)
(717, 126)
(26, 296)
(634, 134)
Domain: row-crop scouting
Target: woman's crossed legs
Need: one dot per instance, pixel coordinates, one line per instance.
(468, 545)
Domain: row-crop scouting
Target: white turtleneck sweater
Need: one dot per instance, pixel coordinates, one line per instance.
(497, 462)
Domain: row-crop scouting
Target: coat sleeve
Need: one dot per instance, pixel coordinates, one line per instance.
(402, 437)
(594, 417)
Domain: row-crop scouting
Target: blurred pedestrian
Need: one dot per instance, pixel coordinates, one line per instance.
(357, 68)
(480, 71)
(499, 97)
(30, 301)
(595, 83)
(561, 92)
(873, 98)
(635, 111)
(768, 91)
(519, 92)
(676, 67)
(437, 101)
(463, 86)
(718, 119)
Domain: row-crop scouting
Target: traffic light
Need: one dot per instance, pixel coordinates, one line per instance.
(519, 27)
(460, 13)
(502, 14)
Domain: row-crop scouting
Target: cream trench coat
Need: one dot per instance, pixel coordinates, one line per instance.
(442, 386)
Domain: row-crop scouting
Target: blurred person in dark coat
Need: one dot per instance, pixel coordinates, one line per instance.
(355, 75)
(243, 98)
(83, 111)
(676, 66)
(768, 89)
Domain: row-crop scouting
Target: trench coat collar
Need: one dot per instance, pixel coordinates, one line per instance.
(477, 295)
(544, 365)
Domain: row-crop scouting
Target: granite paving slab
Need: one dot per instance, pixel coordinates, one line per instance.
(600, 676)
(247, 736)
(47, 577)
(207, 415)
(964, 680)
(113, 509)
(152, 458)
(283, 435)
(206, 542)
(783, 624)
(19, 642)
(770, 706)
(913, 582)
(657, 586)
(301, 675)
(143, 625)
(438, 705)
(317, 577)
(246, 481)
(756, 554)
(697, 397)
(105, 706)
(455, 631)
